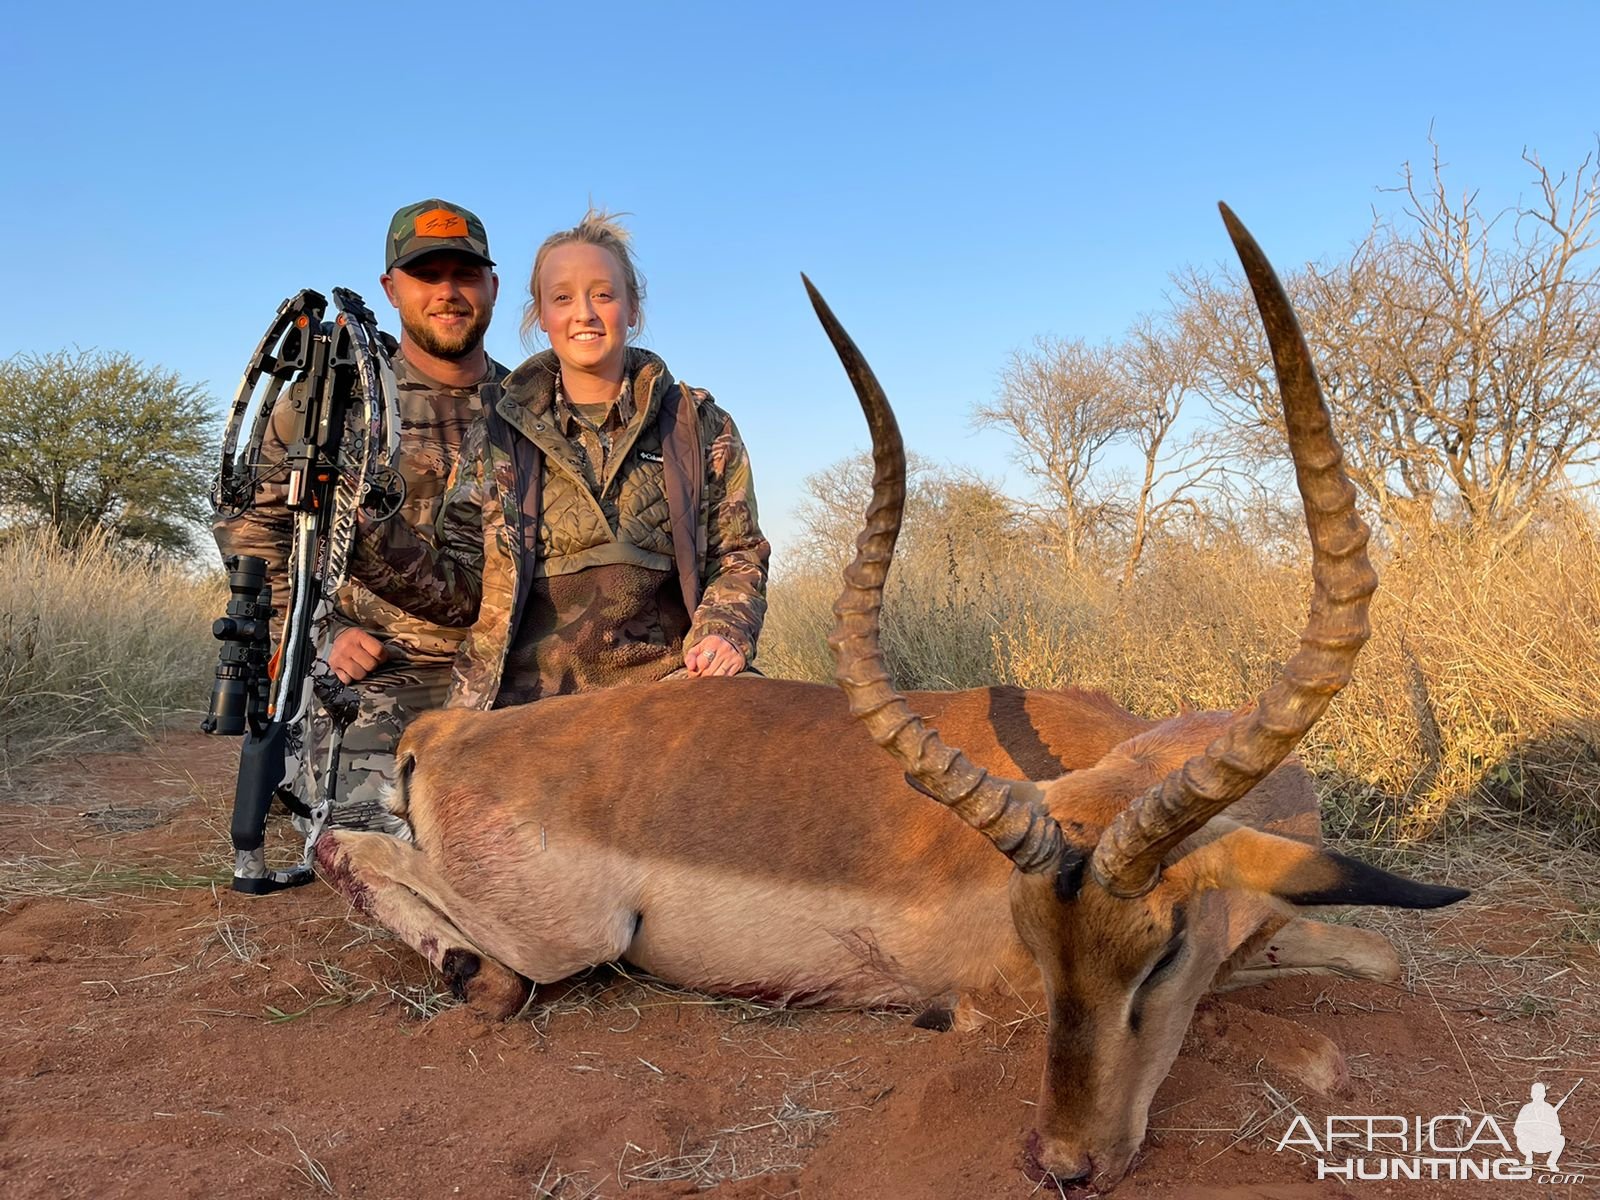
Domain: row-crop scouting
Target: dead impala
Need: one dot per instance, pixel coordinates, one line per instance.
(745, 840)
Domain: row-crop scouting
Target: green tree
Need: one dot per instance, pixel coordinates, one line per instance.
(98, 442)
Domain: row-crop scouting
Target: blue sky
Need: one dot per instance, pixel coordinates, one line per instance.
(955, 178)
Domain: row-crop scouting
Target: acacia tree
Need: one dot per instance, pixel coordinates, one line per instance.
(1161, 365)
(94, 441)
(1067, 405)
(829, 512)
(1460, 352)
(1063, 403)
(957, 512)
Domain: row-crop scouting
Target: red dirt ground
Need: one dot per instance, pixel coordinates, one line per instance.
(165, 1037)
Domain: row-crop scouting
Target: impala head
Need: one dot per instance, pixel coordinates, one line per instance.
(1123, 974)
(1127, 892)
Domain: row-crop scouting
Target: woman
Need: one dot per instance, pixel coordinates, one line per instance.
(601, 525)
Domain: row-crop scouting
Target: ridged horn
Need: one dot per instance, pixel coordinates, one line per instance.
(1127, 860)
(1007, 812)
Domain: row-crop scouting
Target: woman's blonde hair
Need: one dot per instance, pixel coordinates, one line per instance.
(598, 228)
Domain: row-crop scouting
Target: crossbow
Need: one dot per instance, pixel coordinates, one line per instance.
(333, 381)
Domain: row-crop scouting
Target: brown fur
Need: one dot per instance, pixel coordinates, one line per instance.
(655, 824)
(550, 849)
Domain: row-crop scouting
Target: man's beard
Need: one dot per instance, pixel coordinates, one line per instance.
(451, 347)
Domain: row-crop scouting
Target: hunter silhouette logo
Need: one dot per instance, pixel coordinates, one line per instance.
(1538, 1127)
(440, 223)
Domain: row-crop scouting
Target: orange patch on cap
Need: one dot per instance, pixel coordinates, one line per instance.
(441, 223)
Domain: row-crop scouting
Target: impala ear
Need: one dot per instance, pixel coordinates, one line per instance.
(1301, 874)
(1334, 878)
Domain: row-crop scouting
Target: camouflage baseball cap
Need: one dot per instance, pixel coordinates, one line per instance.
(430, 225)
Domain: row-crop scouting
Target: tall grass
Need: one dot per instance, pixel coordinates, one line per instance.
(1478, 695)
(96, 647)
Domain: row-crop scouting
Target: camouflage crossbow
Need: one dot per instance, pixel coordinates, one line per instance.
(337, 383)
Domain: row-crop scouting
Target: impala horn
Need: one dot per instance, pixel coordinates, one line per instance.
(1007, 812)
(1127, 860)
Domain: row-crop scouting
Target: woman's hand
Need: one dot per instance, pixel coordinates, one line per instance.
(354, 655)
(713, 655)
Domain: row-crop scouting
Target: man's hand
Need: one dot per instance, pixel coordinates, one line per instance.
(713, 656)
(354, 655)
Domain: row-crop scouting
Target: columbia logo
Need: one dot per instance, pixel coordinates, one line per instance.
(650, 456)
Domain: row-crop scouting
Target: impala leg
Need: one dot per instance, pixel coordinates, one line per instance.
(370, 870)
(1304, 947)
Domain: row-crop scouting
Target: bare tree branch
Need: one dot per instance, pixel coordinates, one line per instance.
(1460, 350)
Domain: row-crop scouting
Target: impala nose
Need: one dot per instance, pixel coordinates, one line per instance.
(1047, 1157)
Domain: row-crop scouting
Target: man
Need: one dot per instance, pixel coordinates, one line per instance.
(439, 276)
(1538, 1127)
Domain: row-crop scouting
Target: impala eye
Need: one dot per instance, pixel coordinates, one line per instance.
(1165, 963)
(1163, 967)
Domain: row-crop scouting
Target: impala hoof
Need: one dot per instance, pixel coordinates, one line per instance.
(486, 986)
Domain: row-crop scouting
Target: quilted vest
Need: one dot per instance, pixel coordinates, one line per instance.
(682, 482)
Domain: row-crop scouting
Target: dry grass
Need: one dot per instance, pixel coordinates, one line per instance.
(102, 882)
(96, 645)
(1529, 991)
(311, 1174)
(777, 1137)
(616, 998)
(1478, 695)
(556, 1184)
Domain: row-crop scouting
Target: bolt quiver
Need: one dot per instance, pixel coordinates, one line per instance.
(333, 381)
